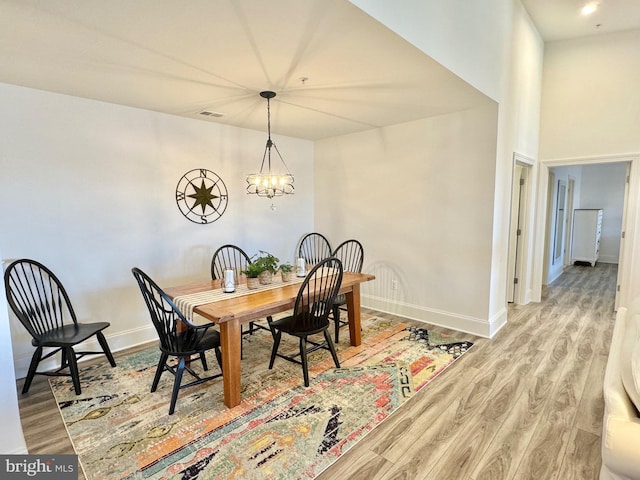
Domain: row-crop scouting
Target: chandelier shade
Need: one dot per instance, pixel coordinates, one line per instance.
(271, 181)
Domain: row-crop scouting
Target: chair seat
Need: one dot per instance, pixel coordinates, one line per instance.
(209, 340)
(293, 326)
(69, 335)
(340, 299)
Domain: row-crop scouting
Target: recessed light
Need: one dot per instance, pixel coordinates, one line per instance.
(589, 8)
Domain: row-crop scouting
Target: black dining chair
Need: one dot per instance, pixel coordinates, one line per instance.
(314, 247)
(42, 305)
(351, 254)
(178, 337)
(229, 257)
(232, 257)
(310, 315)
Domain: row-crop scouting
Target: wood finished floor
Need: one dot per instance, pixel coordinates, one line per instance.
(526, 404)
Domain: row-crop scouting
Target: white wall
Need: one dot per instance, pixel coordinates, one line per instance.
(421, 201)
(603, 187)
(494, 47)
(88, 188)
(12, 441)
(590, 114)
(591, 99)
(518, 131)
(469, 37)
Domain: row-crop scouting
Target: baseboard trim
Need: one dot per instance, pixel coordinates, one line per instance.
(461, 323)
(608, 259)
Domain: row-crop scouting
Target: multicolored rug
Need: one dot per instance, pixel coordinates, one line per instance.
(281, 430)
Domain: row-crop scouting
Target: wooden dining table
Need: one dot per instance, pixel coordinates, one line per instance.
(231, 313)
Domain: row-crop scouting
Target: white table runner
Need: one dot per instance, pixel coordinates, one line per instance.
(186, 303)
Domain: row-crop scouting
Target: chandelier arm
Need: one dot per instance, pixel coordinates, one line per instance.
(281, 159)
(264, 156)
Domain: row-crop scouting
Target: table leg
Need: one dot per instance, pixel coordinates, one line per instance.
(230, 338)
(353, 310)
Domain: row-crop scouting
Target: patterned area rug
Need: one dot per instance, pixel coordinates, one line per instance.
(281, 430)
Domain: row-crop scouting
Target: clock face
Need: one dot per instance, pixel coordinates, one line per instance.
(201, 196)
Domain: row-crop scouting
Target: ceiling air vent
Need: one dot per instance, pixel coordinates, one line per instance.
(209, 113)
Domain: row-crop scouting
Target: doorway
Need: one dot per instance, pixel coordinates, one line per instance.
(624, 227)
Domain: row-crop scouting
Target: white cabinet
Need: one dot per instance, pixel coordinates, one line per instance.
(585, 241)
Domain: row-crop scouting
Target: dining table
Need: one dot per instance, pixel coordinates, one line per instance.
(232, 310)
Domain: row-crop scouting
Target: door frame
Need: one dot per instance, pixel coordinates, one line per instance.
(521, 216)
(568, 226)
(515, 231)
(623, 234)
(628, 286)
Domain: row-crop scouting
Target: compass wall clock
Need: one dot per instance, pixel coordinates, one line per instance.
(201, 196)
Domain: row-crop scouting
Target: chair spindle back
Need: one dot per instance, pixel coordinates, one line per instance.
(314, 248)
(174, 332)
(317, 293)
(37, 297)
(229, 257)
(351, 254)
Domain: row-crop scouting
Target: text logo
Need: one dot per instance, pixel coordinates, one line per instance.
(51, 467)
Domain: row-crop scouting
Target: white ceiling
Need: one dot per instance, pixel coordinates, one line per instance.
(561, 19)
(217, 55)
(182, 57)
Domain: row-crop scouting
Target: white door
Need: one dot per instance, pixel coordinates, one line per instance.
(515, 232)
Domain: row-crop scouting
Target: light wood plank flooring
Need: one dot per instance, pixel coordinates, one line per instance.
(525, 405)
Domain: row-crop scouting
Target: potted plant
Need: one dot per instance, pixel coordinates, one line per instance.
(252, 271)
(266, 265)
(286, 270)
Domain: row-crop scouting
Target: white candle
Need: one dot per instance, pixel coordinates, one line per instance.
(229, 281)
(301, 271)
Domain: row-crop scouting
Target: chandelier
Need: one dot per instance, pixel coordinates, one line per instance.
(270, 182)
